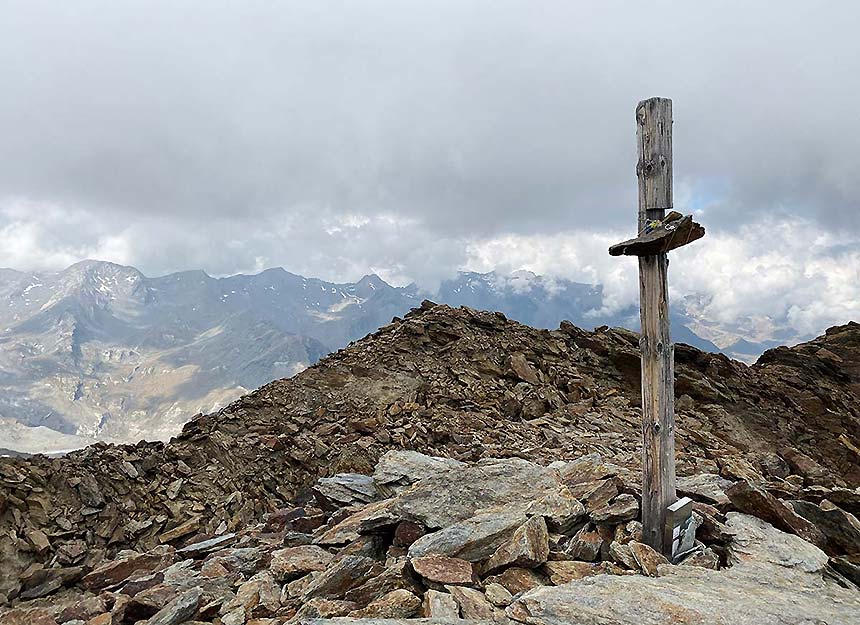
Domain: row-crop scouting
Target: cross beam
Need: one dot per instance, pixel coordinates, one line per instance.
(659, 233)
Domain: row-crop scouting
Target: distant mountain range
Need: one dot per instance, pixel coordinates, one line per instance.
(99, 351)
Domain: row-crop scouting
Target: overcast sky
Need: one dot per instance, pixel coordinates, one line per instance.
(416, 138)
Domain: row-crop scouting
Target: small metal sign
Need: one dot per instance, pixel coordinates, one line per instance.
(680, 519)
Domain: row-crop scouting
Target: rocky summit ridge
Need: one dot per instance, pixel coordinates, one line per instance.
(527, 478)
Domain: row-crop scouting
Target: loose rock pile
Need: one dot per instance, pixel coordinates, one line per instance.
(462, 385)
(428, 537)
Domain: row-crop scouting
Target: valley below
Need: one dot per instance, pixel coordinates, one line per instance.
(100, 352)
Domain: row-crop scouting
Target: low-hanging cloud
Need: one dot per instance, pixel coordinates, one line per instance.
(415, 139)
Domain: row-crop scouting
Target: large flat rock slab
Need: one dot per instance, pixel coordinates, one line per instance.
(776, 578)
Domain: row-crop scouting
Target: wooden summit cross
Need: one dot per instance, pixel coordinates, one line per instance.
(659, 232)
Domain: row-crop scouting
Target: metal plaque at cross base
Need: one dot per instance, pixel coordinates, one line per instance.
(682, 526)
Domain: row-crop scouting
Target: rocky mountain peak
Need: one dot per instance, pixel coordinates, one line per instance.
(454, 383)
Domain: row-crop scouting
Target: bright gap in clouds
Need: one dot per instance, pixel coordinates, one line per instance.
(772, 275)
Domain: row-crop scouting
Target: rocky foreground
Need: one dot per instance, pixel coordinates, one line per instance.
(230, 522)
(497, 541)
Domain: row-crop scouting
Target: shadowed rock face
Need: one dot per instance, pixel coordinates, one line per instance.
(450, 382)
(370, 553)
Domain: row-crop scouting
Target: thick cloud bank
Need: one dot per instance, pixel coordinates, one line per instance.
(416, 138)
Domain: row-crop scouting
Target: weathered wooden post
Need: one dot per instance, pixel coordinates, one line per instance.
(659, 232)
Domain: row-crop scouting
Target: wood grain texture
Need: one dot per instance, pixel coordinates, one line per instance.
(654, 168)
(654, 172)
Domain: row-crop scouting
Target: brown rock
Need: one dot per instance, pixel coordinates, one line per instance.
(119, 570)
(758, 502)
(527, 548)
(181, 609)
(407, 532)
(623, 555)
(705, 558)
(473, 604)
(183, 529)
(440, 605)
(396, 604)
(343, 575)
(293, 562)
(585, 545)
(82, 610)
(623, 508)
(444, 570)
(394, 577)
(37, 539)
(323, 608)
(647, 559)
(102, 619)
(841, 528)
(147, 603)
(523, 369)
(564, 571)
(814, 473)
(27, 616)
(517, 580)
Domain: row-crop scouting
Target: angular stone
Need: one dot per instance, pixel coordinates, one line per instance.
(293, 562)
(473, 604)
(623, 508)
(462, 492)
(322, 608)
(849, 566)
(758, 502)
(498, 595)
(705, 558)
(341, 576)
(195, 550)
(181, 609)
(588, 468)
(37, 539)
(564, 571)
(119, 570)
(560, 508)
(183, 529)
(444, 570)
(523, 369)
(707, 487)
(647, 558)
(146, 603)
(595, 494)
(528, 547)
(440, 605)
(810, 469)
(623, 555)
(27, 616)
(50, 585)
(82, 610)
(585, 545)
(841, 528)
(394, 577)
(396, 604)
(398, 469)
(370, 517)
(517, 580)
(407, 532)
(474, 539)
(345, 489)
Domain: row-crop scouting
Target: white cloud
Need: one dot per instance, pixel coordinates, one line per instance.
(786, 271)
